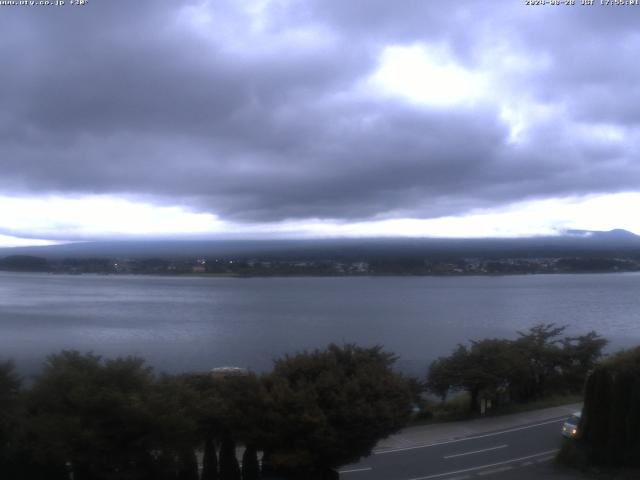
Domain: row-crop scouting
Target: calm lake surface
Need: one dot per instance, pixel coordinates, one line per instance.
(192, 323)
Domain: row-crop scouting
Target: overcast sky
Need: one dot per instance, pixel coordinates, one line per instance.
(303, 118)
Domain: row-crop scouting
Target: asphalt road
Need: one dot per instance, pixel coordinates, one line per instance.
(500, 454)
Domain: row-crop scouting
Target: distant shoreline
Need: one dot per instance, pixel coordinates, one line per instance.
(310, 275)
(398, 264)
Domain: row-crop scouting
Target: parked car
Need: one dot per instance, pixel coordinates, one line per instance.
(570, 426)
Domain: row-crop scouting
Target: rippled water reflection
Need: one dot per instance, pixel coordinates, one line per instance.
(187, 323)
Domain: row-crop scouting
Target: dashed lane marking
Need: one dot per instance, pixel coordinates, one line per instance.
(493, 434)
(476, 451)
(545, 459)
(355, 470)
(495, 470)
(482, 467)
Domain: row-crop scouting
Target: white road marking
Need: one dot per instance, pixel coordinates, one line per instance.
(427, 445)
(526, 464)
(495, 470)
(476, 451)
(545, 459)
(481, 467)
(354, 470)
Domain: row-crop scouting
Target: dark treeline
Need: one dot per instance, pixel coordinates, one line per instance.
(610, 422)
(332, 266)
(24, 263)
(101, 419)
(538, 363)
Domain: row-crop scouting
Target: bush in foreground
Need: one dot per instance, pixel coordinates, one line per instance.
(329, 408)
(610, 423)
(102, 419)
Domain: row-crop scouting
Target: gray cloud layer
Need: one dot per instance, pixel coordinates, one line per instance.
(253, 116)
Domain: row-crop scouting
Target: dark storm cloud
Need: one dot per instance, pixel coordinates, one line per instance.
(254, 116)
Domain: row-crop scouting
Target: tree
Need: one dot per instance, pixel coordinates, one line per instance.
(250, 466)
(540, 346)
(444, 374)
(209, 459)
(491, 367)
(229, 468)
(486, 370)
(330, 407)
(174, 407)
(24, 263)
(593, 426)
(187, 464)
(580, 356)
(209, 420)
(240, 401)
(230, 410)
(9, 413)
(611, 412)
(92, 413)
(538, 362)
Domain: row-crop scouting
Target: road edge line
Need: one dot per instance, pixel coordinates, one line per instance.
(472, 469)
(427, 445)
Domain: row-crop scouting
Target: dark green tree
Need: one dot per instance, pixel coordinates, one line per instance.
(537, 363)
(241, 404)
(485, 370)
(489, 371)
(92, 414)
(164, 466)
(330, 407)
(229, 467)
(541, 347)
(209, 415)
(24, 263)
(250, 465)
(174, 406)
(187, 465)
(230, 410)
(593, 426)
(209, 459)
(580, 355)
(611, 412)
(9, 415)
(445, 373)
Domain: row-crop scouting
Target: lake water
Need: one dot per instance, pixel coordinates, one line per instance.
(196, 323)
